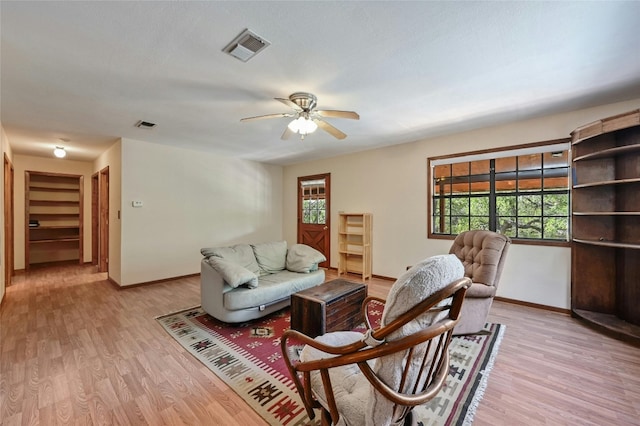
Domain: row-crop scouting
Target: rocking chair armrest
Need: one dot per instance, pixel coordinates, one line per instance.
(334, 350)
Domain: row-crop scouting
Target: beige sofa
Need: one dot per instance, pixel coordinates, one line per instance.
(247, 281)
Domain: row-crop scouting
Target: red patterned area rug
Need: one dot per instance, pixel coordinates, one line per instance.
(247, 357)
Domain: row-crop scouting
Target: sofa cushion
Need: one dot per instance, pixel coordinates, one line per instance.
(302, 258)
(271, 288)
(232, 273)
(271, 256)
(241, 254)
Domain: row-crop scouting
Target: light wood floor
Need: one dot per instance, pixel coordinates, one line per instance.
(75, 350)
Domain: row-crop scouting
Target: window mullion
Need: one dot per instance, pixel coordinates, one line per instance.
(493, 221)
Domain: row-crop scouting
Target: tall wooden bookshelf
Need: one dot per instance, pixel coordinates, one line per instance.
(53, 218)
(354, 244)
(605, 273)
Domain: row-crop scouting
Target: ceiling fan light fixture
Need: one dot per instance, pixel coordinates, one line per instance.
(59, 152)
(303, 126)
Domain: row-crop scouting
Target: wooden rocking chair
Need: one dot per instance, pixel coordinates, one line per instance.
(376, 378)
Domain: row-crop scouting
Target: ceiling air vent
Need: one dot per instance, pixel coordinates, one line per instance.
(145, 124)
(246, 46)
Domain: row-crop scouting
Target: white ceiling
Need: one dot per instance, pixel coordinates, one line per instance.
(88, 71)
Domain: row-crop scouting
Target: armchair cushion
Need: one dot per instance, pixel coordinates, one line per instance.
(242, 254)
(271, 256)
(302, 258)
(480, 252)
(232, 273)
(350, 387)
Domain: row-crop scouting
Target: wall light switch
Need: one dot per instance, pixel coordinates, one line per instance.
(136, 203)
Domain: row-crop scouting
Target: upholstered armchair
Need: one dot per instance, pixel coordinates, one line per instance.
(483, 254)
(377, 377)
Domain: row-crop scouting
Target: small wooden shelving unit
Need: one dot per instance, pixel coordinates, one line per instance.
(54, 202)
(354, 244)
(605, 273)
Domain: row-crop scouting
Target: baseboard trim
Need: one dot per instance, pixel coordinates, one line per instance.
(534, 305)
(164, 280)
(381, 277)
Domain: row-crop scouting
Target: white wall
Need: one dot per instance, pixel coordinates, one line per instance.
(22, 163)
(191, 200)
(391, 184)
(112, 158)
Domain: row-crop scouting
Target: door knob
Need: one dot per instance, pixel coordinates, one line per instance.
(325, 228)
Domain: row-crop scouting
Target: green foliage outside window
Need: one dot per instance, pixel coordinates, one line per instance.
(528, 199)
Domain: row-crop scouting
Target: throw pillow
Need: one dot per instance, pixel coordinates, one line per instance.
(302, 258)
(242, 254)
(232, 273)
(271, 256)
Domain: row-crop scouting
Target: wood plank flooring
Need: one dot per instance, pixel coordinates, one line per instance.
(75, 350)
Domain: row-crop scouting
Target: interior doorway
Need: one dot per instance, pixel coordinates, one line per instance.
(8, 221)
(103, 221)
(314, 213)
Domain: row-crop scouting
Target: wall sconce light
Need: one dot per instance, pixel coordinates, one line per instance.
(59, 152)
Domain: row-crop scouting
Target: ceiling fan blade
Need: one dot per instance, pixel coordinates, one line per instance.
(330, 129)
(288, 103)
(338, 114)
(260, 117)
(287, 133)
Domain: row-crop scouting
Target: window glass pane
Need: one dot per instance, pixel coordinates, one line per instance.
(480, 206)
(556, 178)
(507, 226)
(436, 224)
(480, 184)
(555, 159)
(506, 182)
(306, 216)
(506, 206)
(459, 224)
(444, 189)
(479, 222)
(529, 227)
(460, 206)
(321, 216)
(461, 185)
(530, 162)
(556, 228)
(505, 164)
(447, 206)
(443, 170)
(534, 184)
(460, 169)
(556, 205)
(480, 167)
(436, 207)
(530, 205)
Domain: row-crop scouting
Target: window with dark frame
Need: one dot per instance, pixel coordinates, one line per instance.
(522, 193)
(314, 205)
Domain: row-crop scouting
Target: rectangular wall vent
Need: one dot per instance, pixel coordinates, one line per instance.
(246, 45)
(145, 124)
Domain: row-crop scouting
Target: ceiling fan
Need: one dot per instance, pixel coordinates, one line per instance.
(306, 119)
